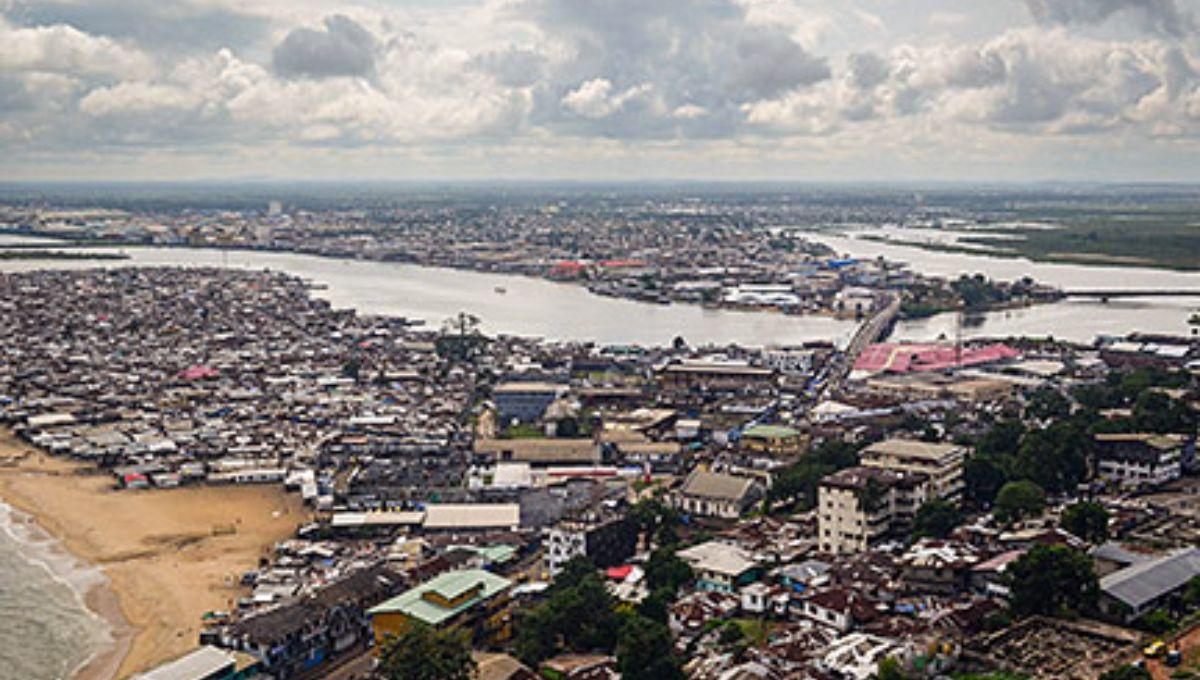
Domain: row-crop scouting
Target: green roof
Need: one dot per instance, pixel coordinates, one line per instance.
(449, 585)
(494, 554)
(770, 432)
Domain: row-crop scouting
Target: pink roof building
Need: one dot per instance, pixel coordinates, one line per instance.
(912, 358)
(199, 373)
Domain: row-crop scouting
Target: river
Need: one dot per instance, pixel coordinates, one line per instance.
(560, 311)
(1080, 320)
(527, 306)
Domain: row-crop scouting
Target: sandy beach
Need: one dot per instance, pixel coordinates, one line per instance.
(169, 555)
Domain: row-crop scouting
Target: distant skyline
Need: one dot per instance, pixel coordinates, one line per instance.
(903, 91)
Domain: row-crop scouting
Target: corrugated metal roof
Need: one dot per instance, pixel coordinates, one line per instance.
(449, 585)
(468, 516)
(201, 663)
(1141, 583)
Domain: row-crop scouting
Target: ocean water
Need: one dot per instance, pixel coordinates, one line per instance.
(47, 632)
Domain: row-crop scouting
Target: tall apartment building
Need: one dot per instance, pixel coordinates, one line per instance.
(943, 463)
(608, 543)
(861, 506)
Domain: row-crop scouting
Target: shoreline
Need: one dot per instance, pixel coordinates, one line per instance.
(39, 547)
(163, 560)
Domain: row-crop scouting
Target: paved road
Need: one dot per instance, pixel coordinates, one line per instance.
(870, 332)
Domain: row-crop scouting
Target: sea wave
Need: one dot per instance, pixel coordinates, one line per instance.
(49, 631)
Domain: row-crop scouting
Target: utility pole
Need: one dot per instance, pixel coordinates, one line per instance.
(958, 327)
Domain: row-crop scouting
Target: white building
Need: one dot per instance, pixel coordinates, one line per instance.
(1139, 459)
(861, 506)
(720, 566)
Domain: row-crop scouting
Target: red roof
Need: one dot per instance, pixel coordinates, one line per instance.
(619, 573)
(199, 373)
(905, 358)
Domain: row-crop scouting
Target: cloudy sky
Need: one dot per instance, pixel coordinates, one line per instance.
(613, 89)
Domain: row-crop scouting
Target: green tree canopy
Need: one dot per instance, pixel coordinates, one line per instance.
(1053, 580)
(1054, 458)
(1156, 412)
(1047, 403)
(664, 570)
(421, 652)
(1127, 673)
(1018, 500)
(577, 616)
(936, 519)
(1086, 520)
(982, 479)
(645, 650)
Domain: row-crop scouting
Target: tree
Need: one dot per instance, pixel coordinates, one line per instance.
(655, 520)
(936, 519)
(664, 570)
(890, 668)
(1191, 593)
(1047, 403)
(1053, 580)
(577, 616)
(1127, 673)
(1154, 411)
(1001, 440)
(1054, 458)
(1158, 622)
(644, 651)
(656, 605)
(797, 484)
(460, 339)
(982, 477)
(1086, 520)
(1017, 500)
(421, 652)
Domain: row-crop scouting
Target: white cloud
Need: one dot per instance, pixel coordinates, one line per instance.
(63, 49)
(137, 97)
(679, 78)
(595, 98)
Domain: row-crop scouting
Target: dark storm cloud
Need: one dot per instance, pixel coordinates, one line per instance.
(1160, 16)
(341, 48)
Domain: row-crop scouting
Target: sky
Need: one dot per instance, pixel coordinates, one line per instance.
(780, 90)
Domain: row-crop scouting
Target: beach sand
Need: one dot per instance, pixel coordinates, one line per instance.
(169, 555)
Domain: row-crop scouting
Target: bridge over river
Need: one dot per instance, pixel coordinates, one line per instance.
(1112, 293)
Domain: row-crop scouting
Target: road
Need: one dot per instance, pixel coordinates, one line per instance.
(870, 332)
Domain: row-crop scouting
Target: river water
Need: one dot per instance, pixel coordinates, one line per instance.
(528, 306)
(1080, 320)
(560, 311)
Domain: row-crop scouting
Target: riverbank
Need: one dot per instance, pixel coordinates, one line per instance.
(169, 556)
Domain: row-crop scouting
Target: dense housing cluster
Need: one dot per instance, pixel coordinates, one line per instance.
(781, 512)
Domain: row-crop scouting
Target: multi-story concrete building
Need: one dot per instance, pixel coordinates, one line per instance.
(1139, 459)
(607, 543)
(860, 506)
(943, 463)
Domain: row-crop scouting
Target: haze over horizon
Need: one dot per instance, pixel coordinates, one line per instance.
(520, 90)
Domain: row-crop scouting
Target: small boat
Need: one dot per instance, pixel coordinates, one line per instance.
(500, 289)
